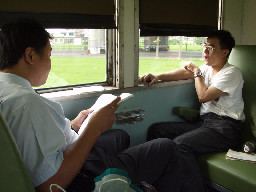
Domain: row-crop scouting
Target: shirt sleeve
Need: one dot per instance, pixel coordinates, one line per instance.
(228, 81)
(71, 135)
(43, 139)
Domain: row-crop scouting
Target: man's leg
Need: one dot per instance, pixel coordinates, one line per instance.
(113, 141)
(213, 136)
(107, 145)
(155, 162)
(169, 129)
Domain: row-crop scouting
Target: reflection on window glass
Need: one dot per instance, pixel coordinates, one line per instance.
(160, 54)
(78, 57)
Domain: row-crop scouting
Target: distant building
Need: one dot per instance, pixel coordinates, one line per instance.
(150, 43)
(91, 40)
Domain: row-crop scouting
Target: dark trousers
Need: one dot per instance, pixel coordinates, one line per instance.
(212, 133)
(155, 162)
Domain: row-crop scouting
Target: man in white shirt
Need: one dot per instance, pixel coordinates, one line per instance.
(219, 89)
(52, 151)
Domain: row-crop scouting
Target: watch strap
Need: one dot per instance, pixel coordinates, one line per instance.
(198, 74)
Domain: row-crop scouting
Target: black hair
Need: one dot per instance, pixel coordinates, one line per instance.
(18, 35)
(227, 41)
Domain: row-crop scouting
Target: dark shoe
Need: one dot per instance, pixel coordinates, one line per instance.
(81, 183)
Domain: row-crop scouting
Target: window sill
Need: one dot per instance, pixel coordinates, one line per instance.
(92, 91)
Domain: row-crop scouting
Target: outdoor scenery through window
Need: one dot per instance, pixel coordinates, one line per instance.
(79, 55)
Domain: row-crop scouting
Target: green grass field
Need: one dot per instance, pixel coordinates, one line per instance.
(80, 70)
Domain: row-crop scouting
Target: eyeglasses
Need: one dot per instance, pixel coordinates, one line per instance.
(208, 47)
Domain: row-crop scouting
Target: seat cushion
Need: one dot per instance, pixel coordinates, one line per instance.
(235, 175)
(13, 173)
(188, 114)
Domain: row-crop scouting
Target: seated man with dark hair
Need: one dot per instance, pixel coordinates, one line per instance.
(53, 152)
(219, 88)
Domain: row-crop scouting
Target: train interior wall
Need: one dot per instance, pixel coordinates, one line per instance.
(156, 104)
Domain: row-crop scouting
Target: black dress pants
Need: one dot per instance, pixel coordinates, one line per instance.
(212, 133)
(155, 162)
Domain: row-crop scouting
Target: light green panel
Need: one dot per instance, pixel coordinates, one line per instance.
(157, 104)
(243, 56)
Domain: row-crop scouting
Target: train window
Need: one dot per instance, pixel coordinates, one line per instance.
(158, 54)
(168, 38)
(78, 57)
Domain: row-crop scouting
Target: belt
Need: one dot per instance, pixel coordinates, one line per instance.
(219, 117)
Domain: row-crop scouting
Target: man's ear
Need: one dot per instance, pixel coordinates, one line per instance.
(29, 53)
(226, 52)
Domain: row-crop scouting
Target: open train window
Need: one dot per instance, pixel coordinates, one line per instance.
(79, 56)
(159, 54)
(173, 33)
(80, 49)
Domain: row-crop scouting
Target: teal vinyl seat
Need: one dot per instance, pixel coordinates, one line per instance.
(223, 174)
(13, 173)
(228, 175)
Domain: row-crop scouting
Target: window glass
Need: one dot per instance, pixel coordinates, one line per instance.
(78, 57)
(160, 54)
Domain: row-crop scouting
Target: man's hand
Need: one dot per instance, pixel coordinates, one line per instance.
(104, 118)
(190, 66)
(148, 78)
(78, 121)
(76, 154)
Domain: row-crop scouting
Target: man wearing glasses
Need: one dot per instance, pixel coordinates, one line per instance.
(219, 89)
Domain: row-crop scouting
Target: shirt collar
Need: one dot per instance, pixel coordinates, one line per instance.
(226, 65)
(12, 78)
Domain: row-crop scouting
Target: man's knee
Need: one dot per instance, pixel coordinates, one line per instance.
(166, 147)
(161, 130)
(122, 137)
(119, 133)
(154, 132)
(184, 145)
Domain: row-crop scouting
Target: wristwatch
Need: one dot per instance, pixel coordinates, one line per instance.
(198, 74)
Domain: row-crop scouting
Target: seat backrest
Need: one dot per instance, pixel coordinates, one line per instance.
(243, 56)
(13, 173)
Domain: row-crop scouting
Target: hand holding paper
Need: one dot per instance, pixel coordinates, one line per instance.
(102, 101)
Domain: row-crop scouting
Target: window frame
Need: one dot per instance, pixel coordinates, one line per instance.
(123, 45)
(109, 73)
(122, 53)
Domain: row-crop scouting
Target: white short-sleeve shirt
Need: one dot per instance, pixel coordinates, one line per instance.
(38, 125)
(229, 80)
